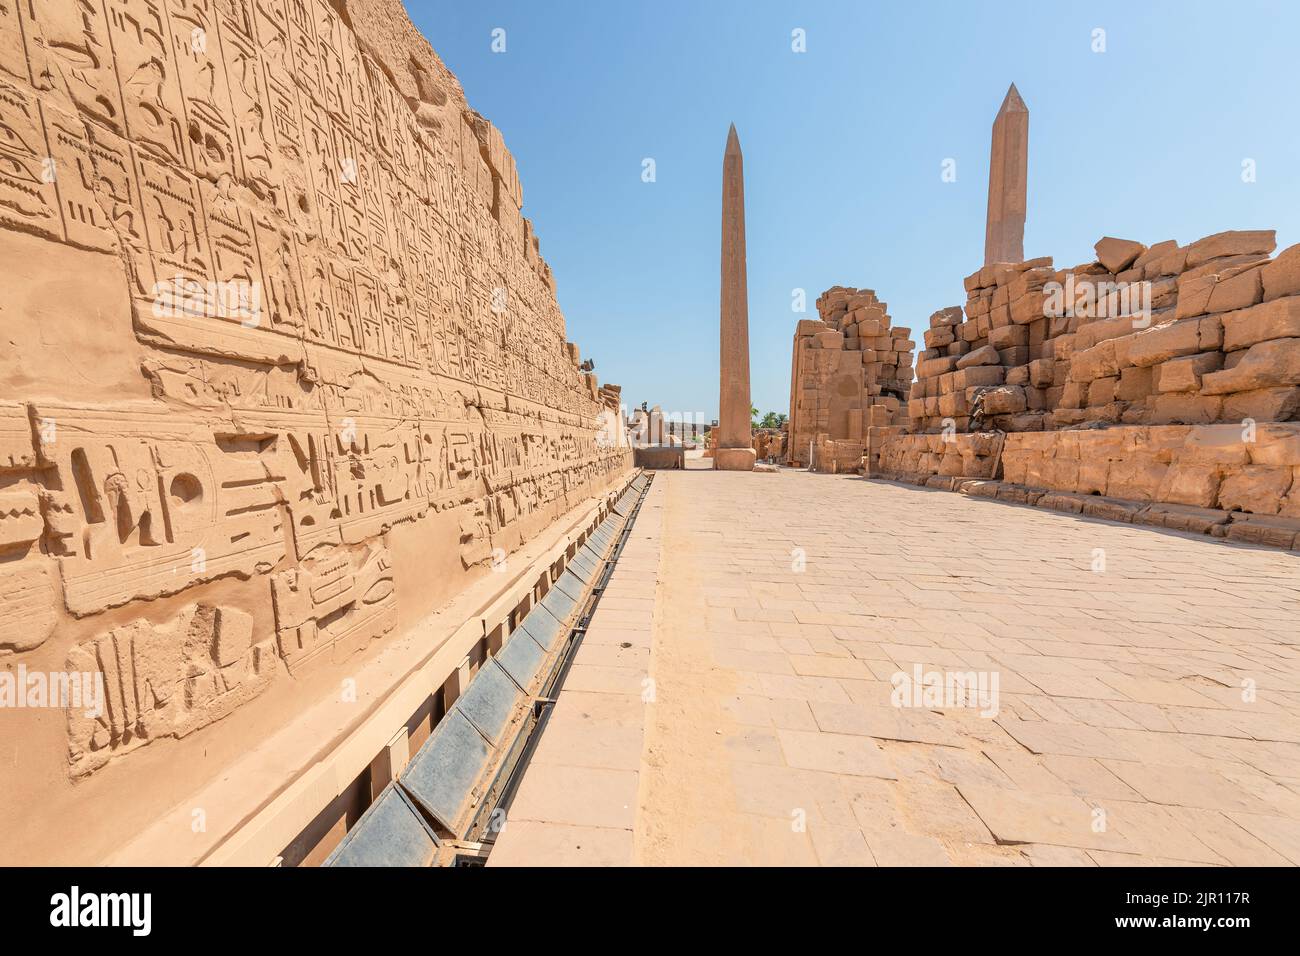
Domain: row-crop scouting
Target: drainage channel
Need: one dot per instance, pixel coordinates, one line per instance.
(450, 802)
(544, 705)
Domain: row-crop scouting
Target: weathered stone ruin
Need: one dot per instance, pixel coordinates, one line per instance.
(851, 372)
(1157, 384)
(285, 372)
(1153, 384)
(769, 443)
(1127, 338)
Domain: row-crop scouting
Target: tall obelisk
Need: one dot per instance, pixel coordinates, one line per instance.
(735, 447)
(1004, 236)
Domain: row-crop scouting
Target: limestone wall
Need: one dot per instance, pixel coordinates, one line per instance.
(851, 370)
(284, 368)
(1208, 332)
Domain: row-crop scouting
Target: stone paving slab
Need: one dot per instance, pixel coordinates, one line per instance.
(1146, 707)
(578, 801)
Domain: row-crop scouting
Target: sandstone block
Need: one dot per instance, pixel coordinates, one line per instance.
(1279, 532)
(1101, 391)
(1135, 384)
(950, 316)
(1232, 243)
(1185, 337)
(1171, 263)
(1135, 479)
(1157, 251)
(1194, 295)
(1096, 362)
(1189, 484)
(1277, 319)
(1004, 400)
(1225, 267)
(1008, 336)
(952, 404)
(1263, 404)
(1029, 281)
(1265, 365)
(1239, 292)
(1103, 329)
(1275, 445)
(987, 355)
(1221, 445)
(1118, 254)
(1186, 408)
(979, 375)
(1042, 372)
(1016, 355)
(1180, 517)
(1257, 489)
(1281, 277)
(1028, 308)
(1184, 374)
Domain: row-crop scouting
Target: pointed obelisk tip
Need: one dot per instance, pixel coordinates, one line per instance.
(733, 141)
(1013, 103)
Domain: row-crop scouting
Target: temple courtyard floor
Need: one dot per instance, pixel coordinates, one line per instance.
(812, 669)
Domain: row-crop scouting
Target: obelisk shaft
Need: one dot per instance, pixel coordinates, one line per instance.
(1004, 235)
(735, 446)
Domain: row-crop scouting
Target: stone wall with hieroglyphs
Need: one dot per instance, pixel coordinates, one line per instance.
(269, 300)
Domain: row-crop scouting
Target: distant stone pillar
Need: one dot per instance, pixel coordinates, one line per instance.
(735, 449)
(1004, 235)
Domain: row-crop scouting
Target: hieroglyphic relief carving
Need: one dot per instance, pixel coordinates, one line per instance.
(333, 603)
(344, 321)
(163, 681)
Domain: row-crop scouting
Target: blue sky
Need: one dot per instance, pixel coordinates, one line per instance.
(844, 146)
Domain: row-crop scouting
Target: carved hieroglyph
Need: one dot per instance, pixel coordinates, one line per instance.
(283, 221)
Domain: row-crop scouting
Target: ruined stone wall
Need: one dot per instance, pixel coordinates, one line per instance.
(969, 455)
(851, 370)
(1195, 334)
(283, 368)
(1227, 480)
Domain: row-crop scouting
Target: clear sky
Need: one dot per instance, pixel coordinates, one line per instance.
(844, 149)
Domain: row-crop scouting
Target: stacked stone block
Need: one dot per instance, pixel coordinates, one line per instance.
(1236, 481)
(996, 368)
(969, 455)
(1167, 334)
(851, 372)
(1223, 343)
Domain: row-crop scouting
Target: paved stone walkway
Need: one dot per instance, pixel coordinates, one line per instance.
(1146, 707)
(578, 802)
